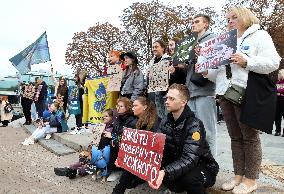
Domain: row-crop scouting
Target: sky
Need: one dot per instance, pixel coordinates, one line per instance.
(22, 22)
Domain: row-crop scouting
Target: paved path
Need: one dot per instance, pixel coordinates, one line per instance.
(29, 169)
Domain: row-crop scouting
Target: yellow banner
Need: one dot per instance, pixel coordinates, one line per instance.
(97, 99)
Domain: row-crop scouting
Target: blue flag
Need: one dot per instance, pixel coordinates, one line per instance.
(37, 52)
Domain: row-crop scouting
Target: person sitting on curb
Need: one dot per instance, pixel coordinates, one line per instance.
(149, 121)
(187, 164)
(125, 118)
(56, 123)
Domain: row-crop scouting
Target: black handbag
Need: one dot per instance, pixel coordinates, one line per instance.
(235, 94)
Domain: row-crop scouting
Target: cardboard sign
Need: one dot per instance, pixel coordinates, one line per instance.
(97, 132)
(141, 153)
(184, 50)
(159, 76)
(115, 77)
(217, 51)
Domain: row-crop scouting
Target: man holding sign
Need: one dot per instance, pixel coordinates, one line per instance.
(202, 91)
(187, 164)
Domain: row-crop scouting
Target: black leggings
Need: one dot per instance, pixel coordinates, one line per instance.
(279, 113)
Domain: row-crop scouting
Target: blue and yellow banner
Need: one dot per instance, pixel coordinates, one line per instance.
(37, 52)
(96, 99)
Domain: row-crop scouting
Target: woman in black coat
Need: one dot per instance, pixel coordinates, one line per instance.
(147, 120)
(125, 118)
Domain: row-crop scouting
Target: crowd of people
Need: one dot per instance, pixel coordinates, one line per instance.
(186, 113)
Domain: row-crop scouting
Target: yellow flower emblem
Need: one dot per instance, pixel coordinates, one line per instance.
(196, 136)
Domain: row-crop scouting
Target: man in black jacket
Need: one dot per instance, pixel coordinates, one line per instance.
(188, 164)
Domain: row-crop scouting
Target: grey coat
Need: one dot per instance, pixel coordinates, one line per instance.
(133, 83)
(209, 88)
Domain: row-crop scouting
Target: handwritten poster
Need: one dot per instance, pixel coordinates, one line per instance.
(115, 77)
(184, 50)
(159, 76)
(141, 153)
(217, 51)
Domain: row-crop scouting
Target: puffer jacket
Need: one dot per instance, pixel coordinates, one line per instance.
(132, 83)
(186, 146)
(125, 120)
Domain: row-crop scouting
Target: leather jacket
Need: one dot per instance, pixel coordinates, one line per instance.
(186, 146)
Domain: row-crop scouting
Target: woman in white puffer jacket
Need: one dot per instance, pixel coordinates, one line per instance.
(255, 52)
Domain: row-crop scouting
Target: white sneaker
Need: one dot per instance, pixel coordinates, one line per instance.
(75, 131)
(28, 141)
(25, 142)
(113, 176)
(48, 136)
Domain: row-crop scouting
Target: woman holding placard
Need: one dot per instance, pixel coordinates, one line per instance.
(254, 58)
(125, 118)
(147, 120)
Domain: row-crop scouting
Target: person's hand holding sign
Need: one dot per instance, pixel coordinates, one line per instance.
(116, 164)
(159, 180)
(238, 59)
(204, 73)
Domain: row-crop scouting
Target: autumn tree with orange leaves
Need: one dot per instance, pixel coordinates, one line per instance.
(88, 50)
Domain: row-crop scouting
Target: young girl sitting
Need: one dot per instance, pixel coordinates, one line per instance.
(109, 116)
(92, 160)
(56, 123)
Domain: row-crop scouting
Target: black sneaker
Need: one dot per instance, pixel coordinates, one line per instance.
(61, 171)
(71, 173)
(277, 134)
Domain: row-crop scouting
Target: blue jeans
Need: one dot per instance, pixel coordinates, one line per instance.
(204, 108)
(160, 104)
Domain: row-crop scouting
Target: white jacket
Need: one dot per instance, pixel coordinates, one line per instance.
(259, 50)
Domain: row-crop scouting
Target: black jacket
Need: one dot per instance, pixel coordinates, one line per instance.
(185, 146)
(43, 92)
(125, 120)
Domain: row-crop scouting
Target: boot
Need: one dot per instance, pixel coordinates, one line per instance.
(60, 171)
(118, 189)
(71, 173)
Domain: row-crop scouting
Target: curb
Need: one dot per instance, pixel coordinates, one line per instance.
(50, 144)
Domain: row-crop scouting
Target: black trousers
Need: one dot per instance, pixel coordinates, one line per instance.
(127, 181)
(194, 182)
(78, 120)
(27, 104)
(113, 155)
(279, 113)
(40, 106)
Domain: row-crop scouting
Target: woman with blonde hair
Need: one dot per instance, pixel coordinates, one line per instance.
(255, 53)
(280, 103)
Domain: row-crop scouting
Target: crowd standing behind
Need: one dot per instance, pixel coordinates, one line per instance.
(187, 110)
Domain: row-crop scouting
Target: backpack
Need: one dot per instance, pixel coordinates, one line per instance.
(8, 108)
